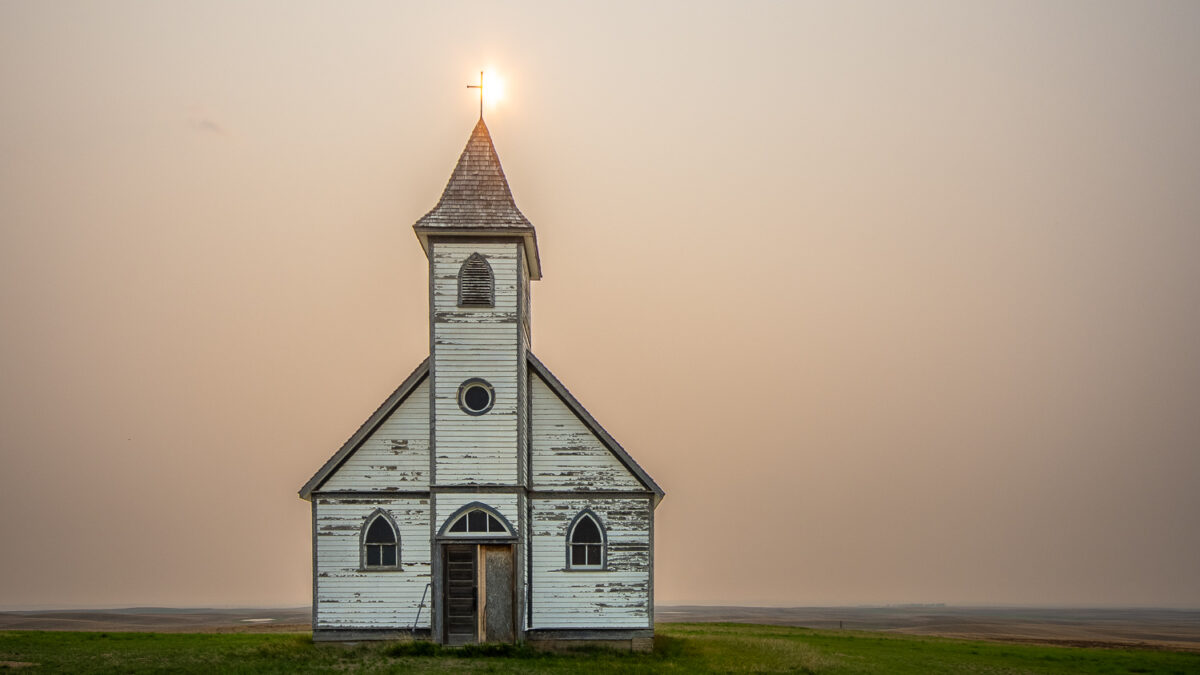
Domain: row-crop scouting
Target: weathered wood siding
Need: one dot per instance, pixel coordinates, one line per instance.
(566, 454)
(475, 342)
(347, 596)
(616, 597)
(393, 458)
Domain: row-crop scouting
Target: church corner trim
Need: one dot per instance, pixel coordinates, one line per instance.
(386, 408)
(590, 422)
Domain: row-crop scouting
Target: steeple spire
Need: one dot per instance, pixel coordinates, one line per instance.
(477, 200)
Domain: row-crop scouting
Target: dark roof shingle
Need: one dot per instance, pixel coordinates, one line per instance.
(477, 193)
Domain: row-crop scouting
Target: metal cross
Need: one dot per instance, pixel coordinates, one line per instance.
(480, 88)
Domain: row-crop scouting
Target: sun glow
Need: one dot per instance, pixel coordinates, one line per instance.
(493, 88)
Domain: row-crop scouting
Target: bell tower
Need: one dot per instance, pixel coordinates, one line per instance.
(482, 257)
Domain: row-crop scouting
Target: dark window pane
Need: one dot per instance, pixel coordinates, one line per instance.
(380, 532)
(459, 525)
(586, 532)
(578, 555)
(373, 555)
(593, 554)
(477, 521)
(495, 525)
(389, 555)
(477, 398)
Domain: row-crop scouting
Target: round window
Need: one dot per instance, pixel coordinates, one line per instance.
(475, 396)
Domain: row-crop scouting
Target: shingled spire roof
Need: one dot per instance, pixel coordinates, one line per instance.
(477, 201)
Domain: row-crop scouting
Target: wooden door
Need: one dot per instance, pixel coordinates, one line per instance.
(461, 595)
(496, 581)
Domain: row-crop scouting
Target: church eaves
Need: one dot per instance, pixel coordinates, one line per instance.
(477, 201)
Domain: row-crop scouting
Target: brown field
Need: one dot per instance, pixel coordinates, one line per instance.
(162, 620)
(1163, 628)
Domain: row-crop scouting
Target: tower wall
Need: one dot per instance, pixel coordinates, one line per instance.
(477, 342)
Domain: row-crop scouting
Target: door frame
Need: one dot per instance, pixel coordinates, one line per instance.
(480, 571)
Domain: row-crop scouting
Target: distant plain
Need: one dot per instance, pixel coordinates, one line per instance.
(1100, 627)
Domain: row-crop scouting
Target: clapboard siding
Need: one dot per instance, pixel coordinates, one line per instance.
(395, 456)
(348, 597)
(566, 454)
(616, 597)
(469, 343)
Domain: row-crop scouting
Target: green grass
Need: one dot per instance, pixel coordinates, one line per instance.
(679, 648)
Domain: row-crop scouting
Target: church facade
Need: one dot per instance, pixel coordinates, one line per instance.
(481, 502)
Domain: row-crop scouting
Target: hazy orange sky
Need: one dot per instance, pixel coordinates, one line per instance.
(899, 302)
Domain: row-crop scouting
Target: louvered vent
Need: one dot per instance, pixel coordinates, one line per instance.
(475, 285)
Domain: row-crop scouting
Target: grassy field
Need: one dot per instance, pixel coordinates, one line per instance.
(681, 648)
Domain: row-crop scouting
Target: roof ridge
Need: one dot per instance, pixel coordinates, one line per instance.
(590, 422)
(389, 404)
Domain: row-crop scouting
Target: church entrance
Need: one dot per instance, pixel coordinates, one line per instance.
(477, 593)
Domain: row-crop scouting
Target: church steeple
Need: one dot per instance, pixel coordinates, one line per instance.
(477, 202)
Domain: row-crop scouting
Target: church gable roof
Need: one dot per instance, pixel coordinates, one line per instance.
(420, 375)
(373, 422)
(477, 194)
(565, 455)
(594, 427)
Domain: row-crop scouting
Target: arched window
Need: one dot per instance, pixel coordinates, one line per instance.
(476, 285)
(586, 543)
(380, 543)
(477, 521)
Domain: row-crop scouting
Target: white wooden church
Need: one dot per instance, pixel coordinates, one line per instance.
(481, 502)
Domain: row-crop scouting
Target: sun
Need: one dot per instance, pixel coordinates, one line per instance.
(493, 88)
